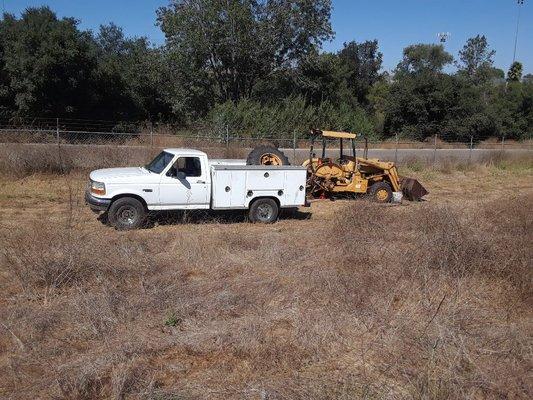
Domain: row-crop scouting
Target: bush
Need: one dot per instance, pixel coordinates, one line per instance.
(292, 115)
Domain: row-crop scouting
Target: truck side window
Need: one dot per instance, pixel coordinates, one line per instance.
(191, 166)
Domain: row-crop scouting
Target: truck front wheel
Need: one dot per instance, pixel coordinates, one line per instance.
(127, 213)
(264, 210)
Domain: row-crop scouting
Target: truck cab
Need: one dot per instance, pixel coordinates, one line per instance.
(185, 179)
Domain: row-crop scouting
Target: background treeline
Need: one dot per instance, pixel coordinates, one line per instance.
(254, 67)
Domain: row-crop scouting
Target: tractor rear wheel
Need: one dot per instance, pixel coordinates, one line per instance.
(267, 155)
(381, 192)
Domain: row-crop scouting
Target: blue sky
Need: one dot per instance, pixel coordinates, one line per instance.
(394, 23)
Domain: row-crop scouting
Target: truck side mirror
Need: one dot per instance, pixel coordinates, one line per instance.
(181, 175)
(172, 172)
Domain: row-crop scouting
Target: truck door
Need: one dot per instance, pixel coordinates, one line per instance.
(185, 185)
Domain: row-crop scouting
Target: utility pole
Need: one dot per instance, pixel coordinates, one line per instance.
(520, 4)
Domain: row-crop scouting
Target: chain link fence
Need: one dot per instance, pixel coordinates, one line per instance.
(92, 136)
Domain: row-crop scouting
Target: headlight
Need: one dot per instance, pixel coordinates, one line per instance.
(97, 188)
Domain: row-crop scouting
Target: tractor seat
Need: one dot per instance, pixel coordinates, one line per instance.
(345, 160)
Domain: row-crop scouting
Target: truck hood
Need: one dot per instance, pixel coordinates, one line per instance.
(123, 175)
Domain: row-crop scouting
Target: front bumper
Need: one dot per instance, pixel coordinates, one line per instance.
(96, 203)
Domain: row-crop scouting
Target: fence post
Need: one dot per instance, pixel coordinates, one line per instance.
(151, 135)
(59, 146)
(471, 149)
(503, 141)
(396, 150)
(435, 150)
(294, 147)
(227, 136)
(57, 131)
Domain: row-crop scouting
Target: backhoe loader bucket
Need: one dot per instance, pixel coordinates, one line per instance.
(412, 189)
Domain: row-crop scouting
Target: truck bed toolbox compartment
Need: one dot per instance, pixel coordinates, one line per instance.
(235, 186)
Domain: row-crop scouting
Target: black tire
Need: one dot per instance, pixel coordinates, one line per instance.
(381, 192)
(265, 211)
(104, 218)
(127, 213)
(259, 155)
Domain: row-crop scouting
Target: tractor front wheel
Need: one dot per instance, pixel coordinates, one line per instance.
(381, 192)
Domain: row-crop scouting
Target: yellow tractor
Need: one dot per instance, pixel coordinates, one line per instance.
(348, 174)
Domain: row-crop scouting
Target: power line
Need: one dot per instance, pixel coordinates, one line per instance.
(520, 4)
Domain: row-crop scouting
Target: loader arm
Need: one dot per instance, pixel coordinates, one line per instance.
(395, 179)
(386, 168)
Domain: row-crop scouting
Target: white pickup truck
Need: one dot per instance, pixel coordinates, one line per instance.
(185, 179)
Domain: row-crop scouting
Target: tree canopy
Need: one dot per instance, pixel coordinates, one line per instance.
(476, 60)
(240, 42)
(424, 58)
(256, 67)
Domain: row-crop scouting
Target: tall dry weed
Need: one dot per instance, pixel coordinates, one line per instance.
(419, 301)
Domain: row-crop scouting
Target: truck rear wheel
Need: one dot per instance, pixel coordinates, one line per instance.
(127, 213)
(267, 155)
(264, 210)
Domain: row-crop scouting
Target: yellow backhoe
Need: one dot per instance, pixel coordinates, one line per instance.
(347, 174)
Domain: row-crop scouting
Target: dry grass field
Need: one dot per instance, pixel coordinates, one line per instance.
(344, 300)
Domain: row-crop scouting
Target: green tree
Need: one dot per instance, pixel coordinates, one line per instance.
(419, 106)
(421, 96)
(377, 98)
(476, 60)
(515, 72)
(188, 89)
(469, 115)
(363, 62)
(7, 97)
(47, 64)
(511, 106)
(241, 41)
(424, 58)
(129, 76)
(323, 77)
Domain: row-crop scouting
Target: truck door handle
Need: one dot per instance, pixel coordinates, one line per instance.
(200, 181)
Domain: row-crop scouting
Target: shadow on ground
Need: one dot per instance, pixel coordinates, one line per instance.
(208, 217)
(218, 217)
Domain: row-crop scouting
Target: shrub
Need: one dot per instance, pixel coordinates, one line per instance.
(292, 115)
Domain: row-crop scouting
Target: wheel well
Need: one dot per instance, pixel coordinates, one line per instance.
(266, 197)
(385, 179)
(135, 196)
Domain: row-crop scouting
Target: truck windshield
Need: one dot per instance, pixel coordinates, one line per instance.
(158, 164)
